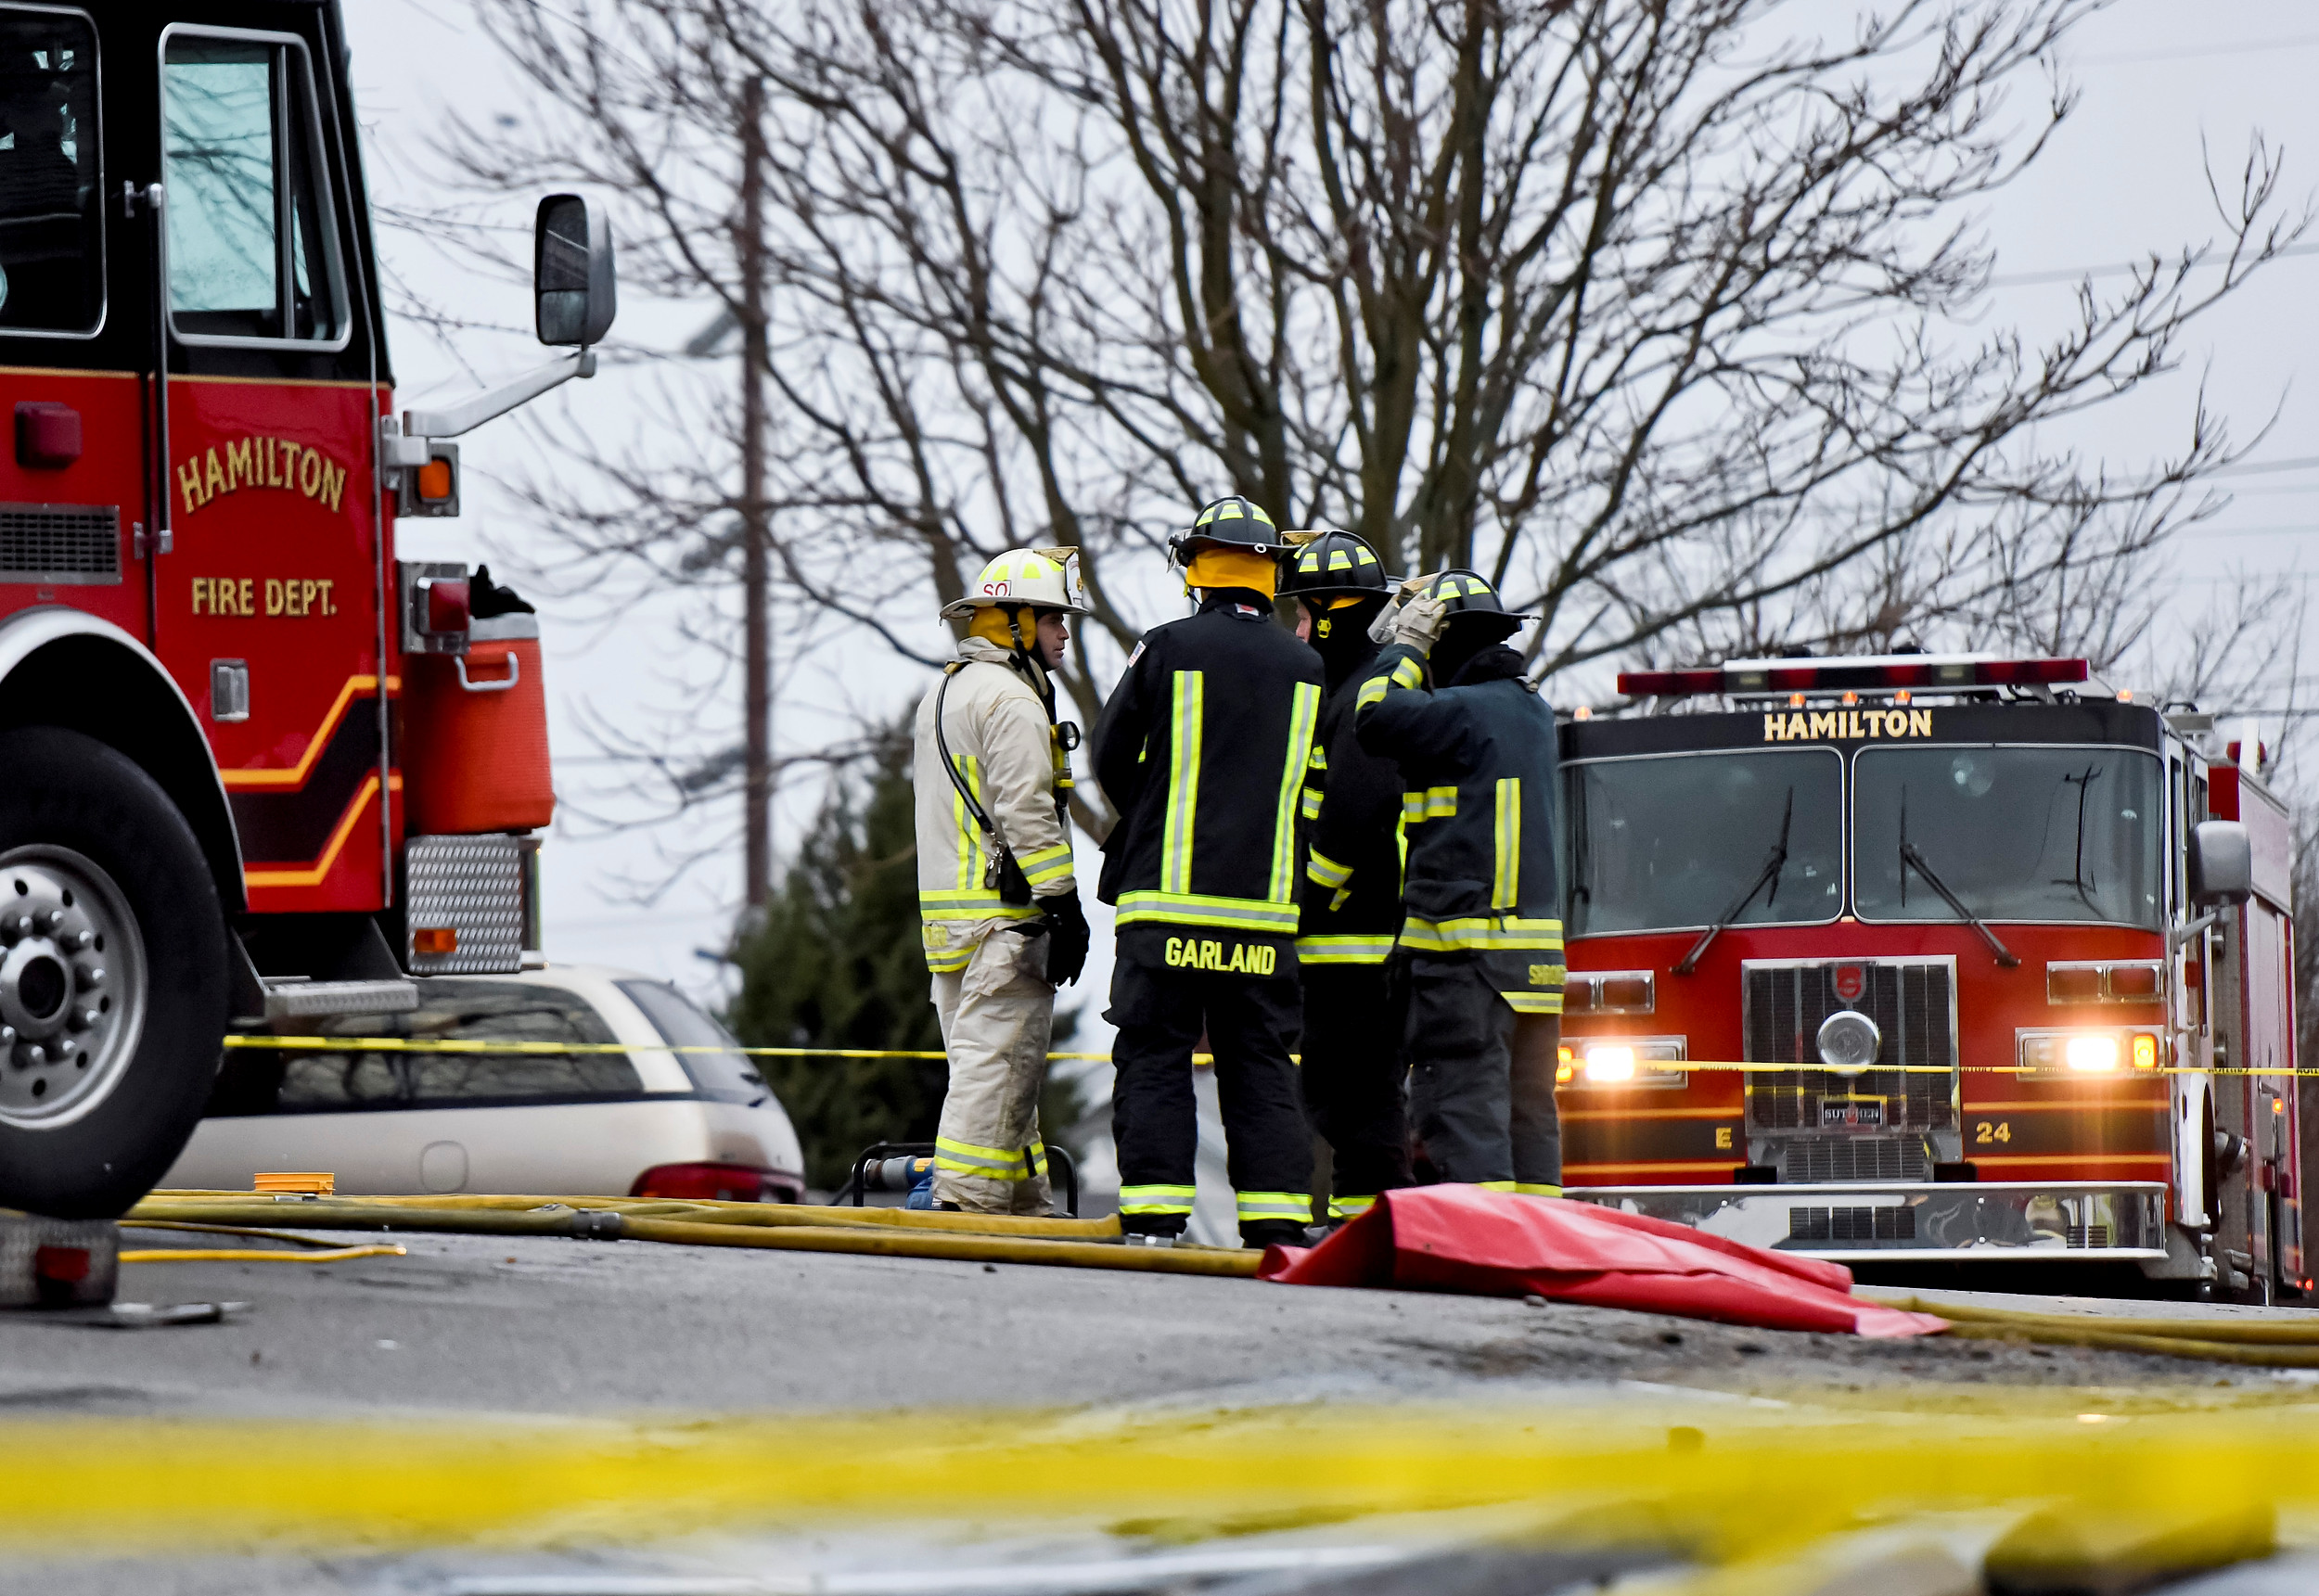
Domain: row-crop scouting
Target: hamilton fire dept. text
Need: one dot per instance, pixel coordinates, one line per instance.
(1838, 724)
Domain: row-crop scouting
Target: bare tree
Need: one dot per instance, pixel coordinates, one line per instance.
(1660, 313)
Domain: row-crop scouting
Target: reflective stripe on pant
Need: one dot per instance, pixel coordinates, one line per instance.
(996, 1015)
(1251, 1026)
(1353, 1077)
(1481, 1080)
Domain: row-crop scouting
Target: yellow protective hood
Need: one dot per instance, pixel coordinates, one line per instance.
(1232, 568)
(989, 624)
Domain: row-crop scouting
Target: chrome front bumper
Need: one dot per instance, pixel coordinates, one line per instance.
(2079, 1220)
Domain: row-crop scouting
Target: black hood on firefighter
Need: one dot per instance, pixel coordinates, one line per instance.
(1341, 636)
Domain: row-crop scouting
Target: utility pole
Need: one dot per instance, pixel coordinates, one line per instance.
(756, 598)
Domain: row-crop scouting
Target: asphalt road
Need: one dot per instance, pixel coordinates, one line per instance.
(525, 1328)
(540, 1325)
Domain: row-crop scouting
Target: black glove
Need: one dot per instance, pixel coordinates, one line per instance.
(1067, 938)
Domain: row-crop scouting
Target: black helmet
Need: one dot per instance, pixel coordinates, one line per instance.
(1474, 605)
(1332, 565)
(1230, 522)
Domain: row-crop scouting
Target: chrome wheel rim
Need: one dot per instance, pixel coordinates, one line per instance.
(72, 986)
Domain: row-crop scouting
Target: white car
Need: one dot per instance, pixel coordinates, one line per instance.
(648, 1121)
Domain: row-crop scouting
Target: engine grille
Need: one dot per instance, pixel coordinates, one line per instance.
(76, 544)
(1910, 1002)
(1856, 1224)
(1838, 1160)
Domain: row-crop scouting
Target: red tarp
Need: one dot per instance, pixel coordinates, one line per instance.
(1499, 1243)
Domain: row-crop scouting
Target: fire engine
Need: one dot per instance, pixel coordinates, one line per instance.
(2004, 958)
(253, 767)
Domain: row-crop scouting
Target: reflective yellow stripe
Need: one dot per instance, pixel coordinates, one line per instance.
(1407, 672)
(1528, 1190)
(1372, 691)
(1295, 1205)
(1319, 760)
(1350, 1208)
(1344, 950)
(980, 903)
(1189, 909)
(1533, 1003)
(1327, 871)
(969, 846)
(1311, 803)
(1175, 840)
(1046, 863)
(1480, 933)
(1434, 803)
(1304, 708)
(1506, 877)
(1155, 1199)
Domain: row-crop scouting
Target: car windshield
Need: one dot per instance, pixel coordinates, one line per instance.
(1674, 842)
(725, 1073)
(273, 1080)
(2067, 834)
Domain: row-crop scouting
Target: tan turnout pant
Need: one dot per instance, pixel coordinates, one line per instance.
(996, 1015)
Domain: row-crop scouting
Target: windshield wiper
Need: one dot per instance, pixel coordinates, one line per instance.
(1773, 863)
(2077, 881)
(1911, 859)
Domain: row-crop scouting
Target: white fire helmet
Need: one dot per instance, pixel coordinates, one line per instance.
(1044, 578)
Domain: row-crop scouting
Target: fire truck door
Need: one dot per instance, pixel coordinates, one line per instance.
(266, 610)
(73, 485)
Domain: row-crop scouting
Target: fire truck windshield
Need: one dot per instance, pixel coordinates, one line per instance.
(1672, 841)
(2017, 833)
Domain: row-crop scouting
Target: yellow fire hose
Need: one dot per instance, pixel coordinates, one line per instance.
(881, 1232)
(317, 1249)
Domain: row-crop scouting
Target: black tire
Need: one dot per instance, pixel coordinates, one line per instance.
(64, 791)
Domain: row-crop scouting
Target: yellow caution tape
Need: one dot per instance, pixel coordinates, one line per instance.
(1711, 1479)
(422, 1045)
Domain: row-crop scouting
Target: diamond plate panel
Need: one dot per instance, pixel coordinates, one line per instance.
(472, 884)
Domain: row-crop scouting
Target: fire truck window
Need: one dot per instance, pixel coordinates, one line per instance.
(51, 249)
(1663, 844)
(2024, 834)
(247, 244)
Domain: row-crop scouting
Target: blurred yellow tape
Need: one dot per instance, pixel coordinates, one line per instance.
(422, 1045)
(1714, 1479)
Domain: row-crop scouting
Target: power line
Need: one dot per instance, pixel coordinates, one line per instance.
(2244, 47)
(2118, 269)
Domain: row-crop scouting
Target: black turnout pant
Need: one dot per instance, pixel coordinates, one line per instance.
(1481, 1078)
(1354, 1080)
(1252, 1026)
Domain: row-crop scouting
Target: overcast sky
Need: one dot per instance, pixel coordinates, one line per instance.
(2165, 83)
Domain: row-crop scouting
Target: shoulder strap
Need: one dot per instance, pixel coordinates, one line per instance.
(950, 766)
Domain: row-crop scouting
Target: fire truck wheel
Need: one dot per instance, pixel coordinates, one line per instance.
(113, 989)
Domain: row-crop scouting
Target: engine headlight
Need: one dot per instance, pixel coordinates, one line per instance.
(1606, 1065)
(1616, 1062)
(2064, 1054)
(2091, 1055)
(1849, 1041)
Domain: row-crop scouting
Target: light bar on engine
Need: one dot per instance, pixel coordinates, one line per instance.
(1868, 673)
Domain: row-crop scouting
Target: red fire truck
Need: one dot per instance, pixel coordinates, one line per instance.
(215, 675)
(2007, 957)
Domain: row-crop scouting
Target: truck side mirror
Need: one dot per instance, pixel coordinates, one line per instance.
(573, 285)
(2222, 865)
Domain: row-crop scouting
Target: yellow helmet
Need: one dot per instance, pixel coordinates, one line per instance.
(1044, 578)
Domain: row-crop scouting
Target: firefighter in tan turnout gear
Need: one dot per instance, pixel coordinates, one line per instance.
(998, 905)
